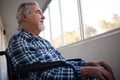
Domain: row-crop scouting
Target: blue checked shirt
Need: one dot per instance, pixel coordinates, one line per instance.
(25, 49)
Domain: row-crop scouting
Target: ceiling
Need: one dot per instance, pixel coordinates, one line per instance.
(8, 9)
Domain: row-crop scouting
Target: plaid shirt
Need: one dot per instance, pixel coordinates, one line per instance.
(25, 49)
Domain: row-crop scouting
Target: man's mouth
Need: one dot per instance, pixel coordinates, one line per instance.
(42, 21)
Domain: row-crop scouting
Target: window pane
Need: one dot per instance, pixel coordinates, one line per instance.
(100, 16)
(70, 20)
(55, 23)
(46, 32)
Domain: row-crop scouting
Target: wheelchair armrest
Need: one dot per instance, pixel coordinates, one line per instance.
(2, 53)
(76, 59)
(40, 66)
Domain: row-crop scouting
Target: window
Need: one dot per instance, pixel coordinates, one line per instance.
(63, 23)
(55, 23)
(100, 16)
(47, 32)
(69, 21)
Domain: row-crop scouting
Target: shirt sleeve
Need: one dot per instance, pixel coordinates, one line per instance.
(61, 73)
(65, 73)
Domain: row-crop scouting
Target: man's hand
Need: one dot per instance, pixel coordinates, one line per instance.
(102, 64)
(96, 72)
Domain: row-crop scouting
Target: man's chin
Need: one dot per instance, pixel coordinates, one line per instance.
(42, 28)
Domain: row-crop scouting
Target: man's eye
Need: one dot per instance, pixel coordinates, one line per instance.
(39, 12)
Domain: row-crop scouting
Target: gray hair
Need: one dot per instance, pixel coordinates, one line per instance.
(24, 9)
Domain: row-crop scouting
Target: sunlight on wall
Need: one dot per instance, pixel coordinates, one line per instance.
(3, 43)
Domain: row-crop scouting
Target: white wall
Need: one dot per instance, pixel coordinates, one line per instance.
(105, 47)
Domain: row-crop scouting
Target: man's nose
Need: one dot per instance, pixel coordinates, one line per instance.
(43, 17)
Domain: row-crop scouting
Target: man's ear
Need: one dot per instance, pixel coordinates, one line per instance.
(24, 17)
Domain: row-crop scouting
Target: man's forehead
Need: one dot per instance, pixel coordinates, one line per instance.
(36, 7)
(39, 8)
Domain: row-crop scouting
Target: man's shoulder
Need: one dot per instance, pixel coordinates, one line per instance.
(22, 36)
(17, 36)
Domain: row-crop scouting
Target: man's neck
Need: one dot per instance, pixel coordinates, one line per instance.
(33, 31)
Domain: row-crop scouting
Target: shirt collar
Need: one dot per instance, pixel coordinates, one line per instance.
(29, 34)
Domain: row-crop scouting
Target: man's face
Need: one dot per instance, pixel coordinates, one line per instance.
(36, 18)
